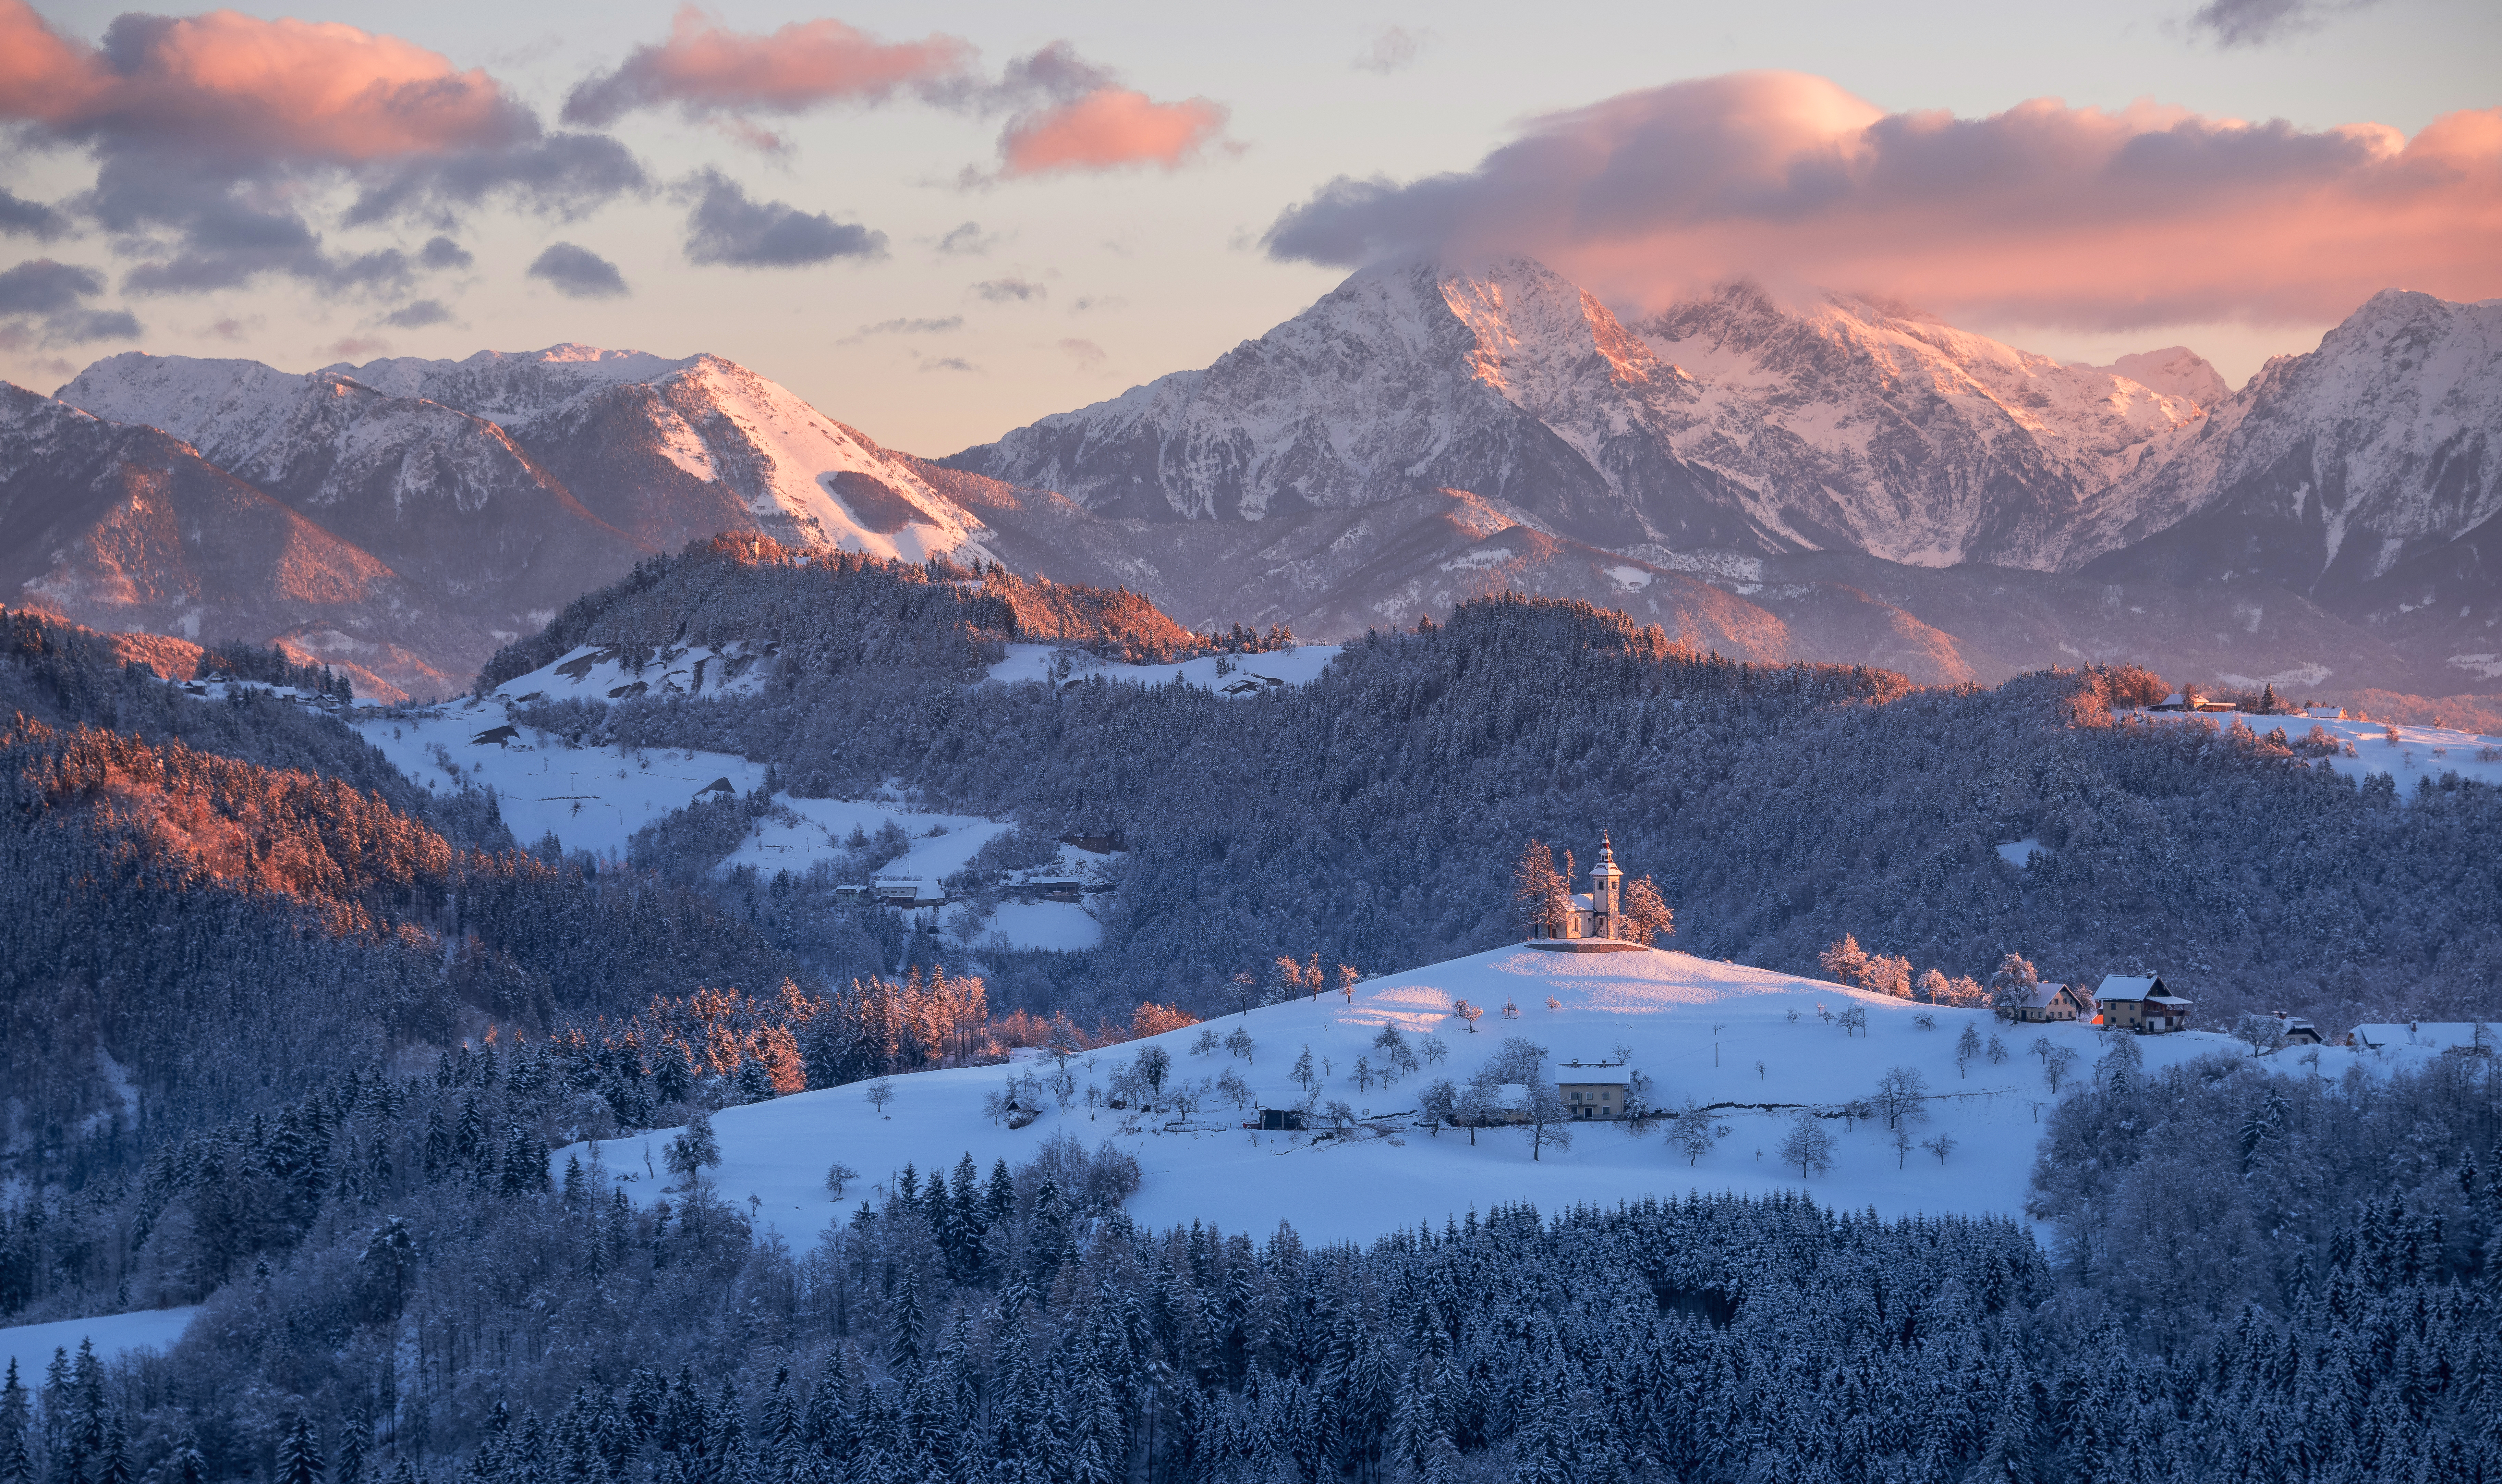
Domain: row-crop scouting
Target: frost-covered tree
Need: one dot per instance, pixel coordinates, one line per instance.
(1541, 896)
(1646, 916)
(2012, 984)
(1808, 1145)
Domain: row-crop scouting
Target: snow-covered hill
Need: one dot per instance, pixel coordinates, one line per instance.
(1762, 1045)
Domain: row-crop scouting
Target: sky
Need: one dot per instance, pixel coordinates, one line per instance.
(938, 223)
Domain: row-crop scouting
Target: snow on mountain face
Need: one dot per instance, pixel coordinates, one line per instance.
(712, 431)
(2175, 371)
(1733, 422)
(1918, 442)
(1505, 381)
(704, 445)
(2334, 469)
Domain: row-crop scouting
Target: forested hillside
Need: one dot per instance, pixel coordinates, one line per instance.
(429, 1298)
(208, 907)
(830, 612)
(1372, 817)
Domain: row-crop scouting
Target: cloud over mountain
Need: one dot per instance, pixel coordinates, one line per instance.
(725, 226)
(2043, 213)
(578, 273)
(210, 131)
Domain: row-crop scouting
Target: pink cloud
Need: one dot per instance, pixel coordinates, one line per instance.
(1106, 128)
(706, 69)
(227, 84)
(2042, 214)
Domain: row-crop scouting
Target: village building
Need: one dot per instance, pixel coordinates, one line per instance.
(2140, 1003)
(2297, 1031)
(1606, 1097)
(2051, 1001)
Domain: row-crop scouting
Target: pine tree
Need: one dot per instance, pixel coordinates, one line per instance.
(299, 1455)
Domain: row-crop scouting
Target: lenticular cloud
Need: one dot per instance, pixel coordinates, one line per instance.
(2042, 214)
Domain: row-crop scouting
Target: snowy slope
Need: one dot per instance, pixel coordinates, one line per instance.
(1697, 1028)
(564, 415)
(31, 1346)
(593, 798)
(2418, 754)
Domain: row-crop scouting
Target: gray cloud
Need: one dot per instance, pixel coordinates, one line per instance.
(1394, 49)
(562, 176)
(43, 302)
(948, 363)
(578, 273)
(442, 253)
(725, 226)
(202, 131)
(40, 285)
(22, 218)
(1009, 291)
(2257, 23)
(418, 316)
(967, 241)
(914, 326)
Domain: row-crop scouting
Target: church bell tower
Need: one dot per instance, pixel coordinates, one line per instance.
(1606, 883)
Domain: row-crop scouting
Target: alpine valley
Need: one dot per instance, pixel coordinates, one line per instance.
(1832, 479)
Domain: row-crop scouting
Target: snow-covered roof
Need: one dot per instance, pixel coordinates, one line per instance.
(1577, 1079)
(2167, 1000)
(2129, 987)
(2047, 990)
(2440, 1033)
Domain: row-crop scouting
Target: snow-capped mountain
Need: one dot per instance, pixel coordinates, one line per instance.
(664, 451)
(489, 492)
(1859, 427)
(1734, 422)
(2365, 475)
(126, 528)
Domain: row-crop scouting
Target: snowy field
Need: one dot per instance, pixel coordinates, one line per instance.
(1249, 673)
(31, 1346)
(823, 824)
(594, 797)
(1719, 1032)
(2420, 752)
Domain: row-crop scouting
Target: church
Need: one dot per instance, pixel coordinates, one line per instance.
(1591, 921)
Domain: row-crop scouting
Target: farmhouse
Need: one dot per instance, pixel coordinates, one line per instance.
(2055, 1002)
(1602, 1099)
(2140, 1003)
